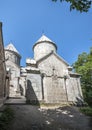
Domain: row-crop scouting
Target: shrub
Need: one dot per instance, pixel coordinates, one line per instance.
(5, 118)
(86, 110)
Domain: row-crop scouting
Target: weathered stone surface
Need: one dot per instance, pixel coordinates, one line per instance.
(47, 78)
(13, 63)
(43, 47)
(58, 85)
(34, 88)
(22, 85)
(53, 65)
(3, 89)
(54, 90)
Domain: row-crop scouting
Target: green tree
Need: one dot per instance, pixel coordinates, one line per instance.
(83, 65)
(80, 5)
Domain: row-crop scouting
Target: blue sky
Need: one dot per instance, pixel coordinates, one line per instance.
(25, 20)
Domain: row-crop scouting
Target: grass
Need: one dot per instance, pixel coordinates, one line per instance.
(34, 102)
(6, 117)
(86, 110)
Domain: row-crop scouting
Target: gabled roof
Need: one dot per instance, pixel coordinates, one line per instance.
(42, 39)
(53, 53)
(11, 47)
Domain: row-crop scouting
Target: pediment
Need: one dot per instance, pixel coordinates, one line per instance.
(55, 55)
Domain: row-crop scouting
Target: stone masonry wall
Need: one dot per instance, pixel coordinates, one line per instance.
(53, 81)
(2, 68)
(14, 81)
(74, 89)
(54, 90)
(43, 49)
(34, 87)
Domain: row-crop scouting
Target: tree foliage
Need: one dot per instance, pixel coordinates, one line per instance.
(80, 5)
(83, 65)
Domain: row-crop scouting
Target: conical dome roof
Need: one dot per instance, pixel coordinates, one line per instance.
(11, 47)
(44, 38)
(43, 47)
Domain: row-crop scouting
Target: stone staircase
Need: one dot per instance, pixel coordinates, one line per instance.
(16, 100)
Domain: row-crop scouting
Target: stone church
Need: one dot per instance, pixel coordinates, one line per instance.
(47, 78)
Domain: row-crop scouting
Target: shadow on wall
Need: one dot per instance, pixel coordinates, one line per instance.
(31, 97)
(79, 101)
(21, 90)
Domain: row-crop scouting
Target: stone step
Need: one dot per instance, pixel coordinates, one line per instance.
(15, 101)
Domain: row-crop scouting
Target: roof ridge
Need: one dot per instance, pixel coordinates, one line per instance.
(55, 55)
(44, 38)
(11, 47)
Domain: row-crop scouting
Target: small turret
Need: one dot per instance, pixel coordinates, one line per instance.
(12, 54)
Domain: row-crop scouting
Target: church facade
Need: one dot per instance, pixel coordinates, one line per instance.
(46, 78)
